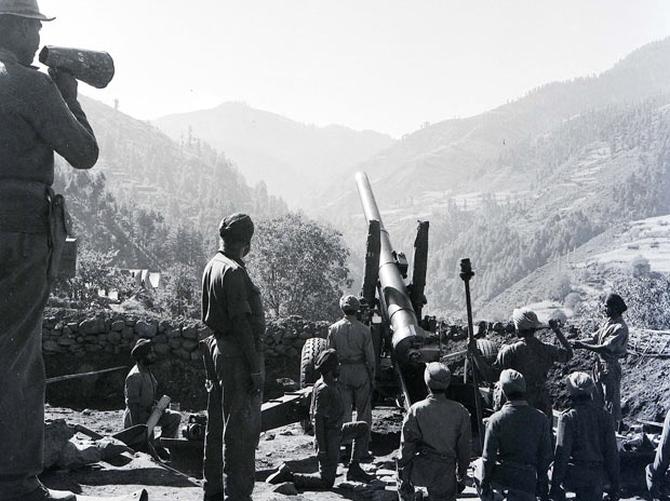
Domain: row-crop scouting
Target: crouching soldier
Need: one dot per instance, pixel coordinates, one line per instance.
(330, 432)
(435, 442)
(517, 446)
(586, 450)
(141, 393)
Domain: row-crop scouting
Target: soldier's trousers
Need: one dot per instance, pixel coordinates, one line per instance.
(656, 472)
(329, 455)
(608, 385)
(438, 477)
(23, 293)
(358, 396)
(233, 430)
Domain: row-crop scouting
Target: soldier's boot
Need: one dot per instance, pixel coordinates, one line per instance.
(356, 474)
(283, 474)
(44, 494)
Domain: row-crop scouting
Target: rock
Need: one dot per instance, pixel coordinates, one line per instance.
(286, 488)
(66, 341)
(204, 332)
(173, 333)
(67, 331)
(128, 333)
(52, 346)
(161, 338)
(93, 348)
(73, 326)
(162, 349)
(89, 326)
(291, 334)
(146, 329)
(175, 344)
(114, 337)
(189, 345)
(118, 325)
(182, 353)
(164, 326)
(189, 332)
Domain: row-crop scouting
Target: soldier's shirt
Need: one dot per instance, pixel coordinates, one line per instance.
(518, 433)
(613, 335)
(532, 358)
(327, 403)
(140, 389)
(227, 292)
(35, 121)
(353, 342)
(585, 437)
(440, 424)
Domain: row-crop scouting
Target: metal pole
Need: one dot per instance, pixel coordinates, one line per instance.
(467, 274)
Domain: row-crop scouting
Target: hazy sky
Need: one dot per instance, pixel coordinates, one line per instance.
(387, 65)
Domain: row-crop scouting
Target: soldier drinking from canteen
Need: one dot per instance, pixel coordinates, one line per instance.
(39, 115)
(232, 308)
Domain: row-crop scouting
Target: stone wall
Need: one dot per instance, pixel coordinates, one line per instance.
(81, 341)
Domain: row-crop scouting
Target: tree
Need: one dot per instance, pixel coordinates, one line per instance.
(94, 273)
(179, 291)
(300, 267)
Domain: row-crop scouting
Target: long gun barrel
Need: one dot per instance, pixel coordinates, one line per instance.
(393, 291)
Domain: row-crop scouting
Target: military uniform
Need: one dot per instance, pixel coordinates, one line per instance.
(35, 121)
(517, 451)
(353, 342)
(434, 442)
(140, 391)
(586, 451)
(327, 410)
(656, 472)
(533, 358)
(234, 417)
(613, 336)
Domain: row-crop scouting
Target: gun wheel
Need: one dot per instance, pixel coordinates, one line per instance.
(311, 350)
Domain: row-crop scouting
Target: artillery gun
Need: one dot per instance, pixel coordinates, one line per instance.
(404, 342)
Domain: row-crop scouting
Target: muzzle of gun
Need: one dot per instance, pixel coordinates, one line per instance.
(92, 67)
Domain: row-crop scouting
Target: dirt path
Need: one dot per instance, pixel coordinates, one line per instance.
(288, 444)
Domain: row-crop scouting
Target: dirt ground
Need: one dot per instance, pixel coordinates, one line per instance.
(288, 444)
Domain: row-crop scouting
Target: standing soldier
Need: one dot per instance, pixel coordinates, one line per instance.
(330, 431)
(517, 446)
(530, 356)
(586, 448)
(353, 342)
(232, 308)
(435, 441)
(610, 343)
(39, 114)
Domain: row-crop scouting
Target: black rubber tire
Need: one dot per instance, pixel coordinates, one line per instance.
(489, 350)
(310, 352)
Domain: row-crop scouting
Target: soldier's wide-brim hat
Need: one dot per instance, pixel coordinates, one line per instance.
(23, 8)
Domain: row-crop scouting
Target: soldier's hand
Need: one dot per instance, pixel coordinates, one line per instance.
(66, 83)
(257, 382)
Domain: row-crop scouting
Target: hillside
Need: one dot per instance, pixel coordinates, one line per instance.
(472, 154)
(517, 187)
(291, 158)
(146, 189)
